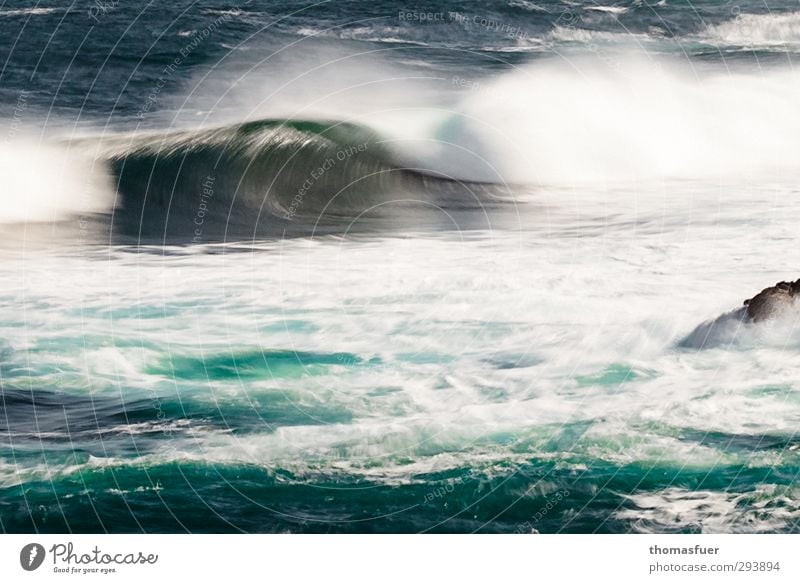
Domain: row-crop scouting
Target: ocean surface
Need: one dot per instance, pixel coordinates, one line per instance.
(374, 267)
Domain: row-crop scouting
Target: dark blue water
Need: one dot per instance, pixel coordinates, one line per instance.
(99, 60)
(260, 287)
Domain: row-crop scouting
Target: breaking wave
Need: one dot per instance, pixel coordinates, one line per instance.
(268, 177)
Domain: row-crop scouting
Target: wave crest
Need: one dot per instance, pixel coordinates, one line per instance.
(758, 30)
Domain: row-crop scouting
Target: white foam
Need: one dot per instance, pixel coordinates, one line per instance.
(757, 30)
(576, 305)
(615, 115)
(46, 181)
(37, 11)
(527, 5)
(766, 509)
(608, 9)
(621, 118)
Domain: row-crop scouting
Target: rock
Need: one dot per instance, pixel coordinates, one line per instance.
(773, 301)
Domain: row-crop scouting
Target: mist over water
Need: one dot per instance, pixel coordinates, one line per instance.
(288, 269)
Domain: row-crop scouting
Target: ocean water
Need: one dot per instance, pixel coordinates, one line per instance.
(375, 267)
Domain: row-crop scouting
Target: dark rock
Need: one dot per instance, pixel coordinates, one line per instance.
(773, 301)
